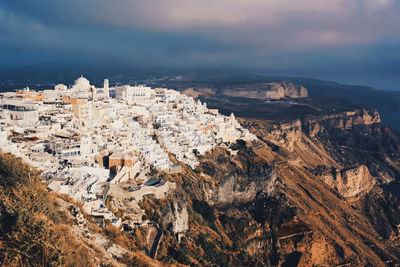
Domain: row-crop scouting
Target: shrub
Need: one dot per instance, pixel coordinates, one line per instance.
(205, 210)
(31, 232)
(239, 145)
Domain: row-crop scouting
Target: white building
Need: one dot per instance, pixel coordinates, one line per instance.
(22, 114)
(139, 95)
(74, 136)
(82, 88)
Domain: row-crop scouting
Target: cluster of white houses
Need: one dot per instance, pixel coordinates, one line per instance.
(85, 138)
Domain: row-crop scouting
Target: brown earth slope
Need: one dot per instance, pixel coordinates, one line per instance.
(310, 192)
(38, 228)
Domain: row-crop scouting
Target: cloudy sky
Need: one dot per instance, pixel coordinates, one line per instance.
(346, 40)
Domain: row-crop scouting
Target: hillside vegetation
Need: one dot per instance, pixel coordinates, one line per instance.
(37, 228)
(32, 228)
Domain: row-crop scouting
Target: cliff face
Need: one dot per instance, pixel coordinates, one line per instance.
(311, 191)
(308, 192)
(293, 90)
(274, 90)
(342, 140)
(287, 133)
(327, 177)
(351, 182)
(176, 215)
(344, 121)
(239, 189)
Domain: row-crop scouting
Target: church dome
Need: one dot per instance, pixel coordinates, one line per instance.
(82, 82)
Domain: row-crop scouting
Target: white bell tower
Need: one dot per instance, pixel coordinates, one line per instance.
(106, 87)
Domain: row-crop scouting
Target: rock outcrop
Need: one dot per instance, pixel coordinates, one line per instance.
(177, 216)
(275, 90)
(284, 134)
(333, 167)
(351, 182)
(286, 89)
(345, 120)
(239, 189)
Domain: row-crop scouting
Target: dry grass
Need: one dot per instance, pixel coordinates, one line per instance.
(32, 227)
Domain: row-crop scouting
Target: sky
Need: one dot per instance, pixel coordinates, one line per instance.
(354, 41)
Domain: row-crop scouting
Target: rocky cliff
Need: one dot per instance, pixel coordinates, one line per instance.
(314, 125)
(349, 183)
(275, 90)
(317, 190)
(262, 91)
(310, 191)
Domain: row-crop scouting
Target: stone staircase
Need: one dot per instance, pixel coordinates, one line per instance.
(153, 240)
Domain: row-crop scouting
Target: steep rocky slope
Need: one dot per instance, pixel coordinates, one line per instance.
(310, 192)
(318, 190)
(38, 228)
(354, 155)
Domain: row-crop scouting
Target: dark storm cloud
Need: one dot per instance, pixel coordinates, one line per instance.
(36, 31)
(309, 36)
